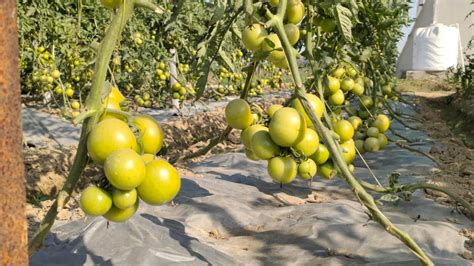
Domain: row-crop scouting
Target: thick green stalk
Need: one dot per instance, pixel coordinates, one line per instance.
(93, 103)
(364, 197)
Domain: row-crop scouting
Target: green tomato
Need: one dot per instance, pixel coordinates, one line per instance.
(337, 98)
(121, 215)
(124, 199)
(358, 89)
(282, 169)
(95, 201)
(371, 144)
(347, 84)
(294, 12)
(359, 144)
(292, 32)
(108, 136)
(253, 36)
(309, 144)
(373, 132)
(307, 169)
(327, 170)
(262, 145)
(344, 129)
(161, 184)
(348, 151)
(151, 134)
(382, 122)
(355, 121)
(316, 104)
(321, 155)
(383, 141)
(333, 84)
(238, 114)
(124, 169)
(247, 134)
(287, 127)
(273, 108)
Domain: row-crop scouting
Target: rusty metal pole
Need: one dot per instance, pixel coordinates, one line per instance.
(13, 232)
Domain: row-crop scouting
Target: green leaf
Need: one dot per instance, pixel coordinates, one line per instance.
(344, 23)
(390, 198)
(226, 60)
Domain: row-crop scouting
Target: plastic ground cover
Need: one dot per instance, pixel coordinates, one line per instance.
(231, 213)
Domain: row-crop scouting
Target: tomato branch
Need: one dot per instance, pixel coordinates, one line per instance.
(359, 191)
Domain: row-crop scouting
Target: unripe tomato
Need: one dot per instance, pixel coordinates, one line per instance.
(263, 146)
(315, 102)
(151, 134)
(383, 141)
(124, 169)
(124, 199)
(108, 136)
(327, 170)
(309, 144)
(253, 36)
(55, 74)
(283, 63)
(367, 101)
(387, 90)
(287, 127)
(121, 215)
(337, 98)
(382, 122)
(75, 105)
(69, 92)
(321, 155)
(351, 71)
(238, 114)
(116, 95)
(344, 129)
(161, 184)
(359, 144)
(247, 134)
(112, 4)
(347, 84)
(249, 153)
(371, 144)
(358, 89)
(338, 72)
(333, 84)
(292, 32)
(307, 169)
(282, 169)
(58, 90)
(372, 132)
(147, 157)
(355, 121)
(274, 3)
(348, 151)
(273, 108)
(294, 12)
(327, 25)
(95, 201)
(272, 44)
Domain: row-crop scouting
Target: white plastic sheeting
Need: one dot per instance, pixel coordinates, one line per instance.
(436, 47)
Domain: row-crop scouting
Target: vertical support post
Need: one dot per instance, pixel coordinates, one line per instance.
(13, 233)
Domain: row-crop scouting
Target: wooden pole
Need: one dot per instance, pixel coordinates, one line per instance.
(13, 232)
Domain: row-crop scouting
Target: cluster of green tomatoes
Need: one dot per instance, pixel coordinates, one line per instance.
(125, 148)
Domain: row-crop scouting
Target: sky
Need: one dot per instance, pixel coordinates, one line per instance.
(407, 30)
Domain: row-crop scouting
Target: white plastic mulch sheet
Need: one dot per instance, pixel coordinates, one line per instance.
(232, 213)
